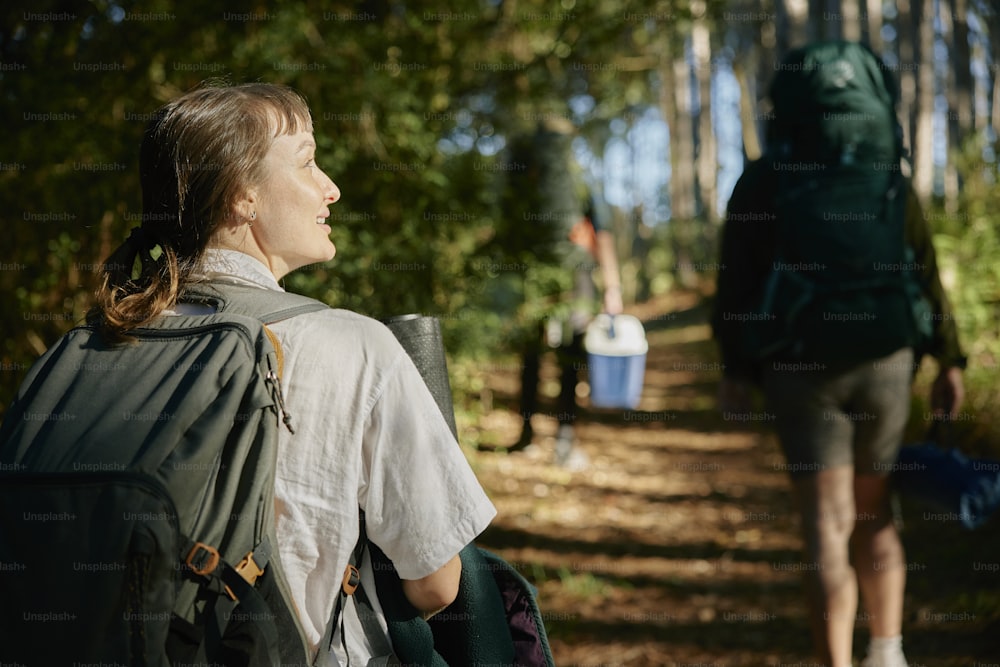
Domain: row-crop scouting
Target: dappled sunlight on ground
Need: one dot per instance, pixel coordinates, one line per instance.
(677, 545)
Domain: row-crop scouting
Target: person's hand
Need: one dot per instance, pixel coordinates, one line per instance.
(947, 392)
(734, 396)
(613, 300)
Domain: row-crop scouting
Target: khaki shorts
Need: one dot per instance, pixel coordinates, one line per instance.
(829, 417)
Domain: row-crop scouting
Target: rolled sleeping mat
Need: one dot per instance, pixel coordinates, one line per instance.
(420, 336)
(475, 631)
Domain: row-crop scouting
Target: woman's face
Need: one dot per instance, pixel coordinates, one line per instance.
(292, 205)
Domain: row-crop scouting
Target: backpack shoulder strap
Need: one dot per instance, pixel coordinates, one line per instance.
(265, 305)
(268, 306)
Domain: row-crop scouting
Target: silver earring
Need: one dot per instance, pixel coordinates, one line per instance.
(253, 216)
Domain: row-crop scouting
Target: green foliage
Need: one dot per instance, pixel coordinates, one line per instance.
(584, 585)
(410, 108)
(967, 241)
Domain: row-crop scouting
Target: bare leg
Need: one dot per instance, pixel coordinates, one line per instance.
(878, 556)
(826, 505)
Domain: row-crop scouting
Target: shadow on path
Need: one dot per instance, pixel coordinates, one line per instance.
(677, 545)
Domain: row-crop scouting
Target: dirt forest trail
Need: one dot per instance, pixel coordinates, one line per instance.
(677, 545)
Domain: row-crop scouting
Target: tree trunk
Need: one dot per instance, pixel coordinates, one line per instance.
(995, 119)
(923, 146)
(873, 25)
(701, 48)
(981, 91)
(959, 93)
(907, 77)
(676, 102)
(793, 25)
(782, 27)
(995, 70)
(758, 78)
(829, 18)
(749, 115)
(852, 19)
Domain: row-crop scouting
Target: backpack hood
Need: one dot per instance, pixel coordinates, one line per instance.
(834, 97)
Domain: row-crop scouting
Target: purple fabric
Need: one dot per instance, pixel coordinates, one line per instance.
(528, 651)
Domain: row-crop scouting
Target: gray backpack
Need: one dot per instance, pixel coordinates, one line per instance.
(137, 499)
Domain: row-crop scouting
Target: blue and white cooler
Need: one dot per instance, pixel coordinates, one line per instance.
(616, 356)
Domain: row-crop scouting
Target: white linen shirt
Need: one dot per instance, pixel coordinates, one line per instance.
(368, 434)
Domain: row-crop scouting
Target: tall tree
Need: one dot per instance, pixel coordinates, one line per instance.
(960, 104)
(677, 100)
(958, 92)
(905, 57)
(826, 19)
(993, 29)
(852, 20)
(873, 25)
(752, 122)
(923, 138)
(791, 18)
(707, 155)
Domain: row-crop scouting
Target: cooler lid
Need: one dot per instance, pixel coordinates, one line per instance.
(615, 336)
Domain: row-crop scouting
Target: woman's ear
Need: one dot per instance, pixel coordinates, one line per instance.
(244, 209)
(232, 230)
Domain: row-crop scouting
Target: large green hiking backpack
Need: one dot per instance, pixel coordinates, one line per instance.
(841, 286)
(137, 500)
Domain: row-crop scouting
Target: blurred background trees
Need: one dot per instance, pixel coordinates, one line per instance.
(414, 106)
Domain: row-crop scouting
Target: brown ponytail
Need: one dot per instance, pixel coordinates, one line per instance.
(199, 154)
(141, 280)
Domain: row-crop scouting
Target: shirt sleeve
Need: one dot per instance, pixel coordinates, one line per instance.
(422, 501)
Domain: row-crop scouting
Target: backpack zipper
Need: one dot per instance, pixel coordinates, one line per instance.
(275, 378)
(274, 381)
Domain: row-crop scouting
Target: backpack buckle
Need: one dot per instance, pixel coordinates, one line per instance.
(352, 578)
(202, 559)
(248, 569)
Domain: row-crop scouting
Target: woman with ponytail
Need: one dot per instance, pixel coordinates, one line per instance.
(232, 193)
(199, 154)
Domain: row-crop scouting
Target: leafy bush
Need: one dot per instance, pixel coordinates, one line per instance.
(967, 240)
